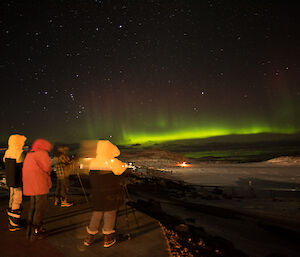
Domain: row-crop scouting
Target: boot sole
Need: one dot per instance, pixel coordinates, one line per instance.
(110, 244)
(14, 229)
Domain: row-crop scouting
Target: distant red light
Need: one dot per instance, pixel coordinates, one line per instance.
(183, 164)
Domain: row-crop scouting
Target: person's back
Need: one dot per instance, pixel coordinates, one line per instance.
(107, 191)
(105, 158)
(37, 169)
(62, 163)
(36, 184)
(13, 160)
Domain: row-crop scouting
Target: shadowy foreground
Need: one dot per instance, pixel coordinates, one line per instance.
(138, 234)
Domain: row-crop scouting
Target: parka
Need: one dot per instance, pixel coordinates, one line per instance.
(105, 171)
(13, 159)
(37, 169)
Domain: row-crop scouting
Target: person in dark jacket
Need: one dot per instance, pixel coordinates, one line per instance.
(36, 184)
(107, 191)
(13, 159)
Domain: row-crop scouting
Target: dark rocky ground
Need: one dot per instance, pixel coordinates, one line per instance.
(219, 221)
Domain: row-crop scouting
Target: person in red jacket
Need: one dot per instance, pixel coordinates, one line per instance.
(36, 184)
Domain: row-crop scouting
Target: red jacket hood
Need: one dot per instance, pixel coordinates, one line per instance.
(42, 144)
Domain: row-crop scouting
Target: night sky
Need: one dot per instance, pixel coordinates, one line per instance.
(133, 71)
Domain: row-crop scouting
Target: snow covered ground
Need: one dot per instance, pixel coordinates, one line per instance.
(282, 169)
(231, 174)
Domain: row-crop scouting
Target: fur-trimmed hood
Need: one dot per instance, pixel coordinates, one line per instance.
(15, 147)
(106, 151)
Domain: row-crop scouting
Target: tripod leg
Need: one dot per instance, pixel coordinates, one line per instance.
(133, 210)
(126, 213)
(82, 187)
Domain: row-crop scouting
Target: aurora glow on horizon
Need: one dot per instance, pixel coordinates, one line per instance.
(201, 133)
(152, 71)
(137, 129)
(175, 118)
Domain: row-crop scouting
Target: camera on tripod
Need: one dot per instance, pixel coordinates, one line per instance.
(131, 165)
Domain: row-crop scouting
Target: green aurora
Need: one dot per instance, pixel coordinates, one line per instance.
(138, 129)
(164, 120)
(168, 116)
(194, 133)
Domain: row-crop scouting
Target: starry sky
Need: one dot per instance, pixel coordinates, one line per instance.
(133, 71)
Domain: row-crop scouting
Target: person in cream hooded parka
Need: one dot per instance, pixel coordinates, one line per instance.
(13, 159)
(105, 171)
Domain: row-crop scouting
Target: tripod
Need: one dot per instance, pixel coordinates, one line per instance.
(82, 187)
(80, 181)
(128, 199)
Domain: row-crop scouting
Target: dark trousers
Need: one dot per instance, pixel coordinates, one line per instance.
(61, 190)
(37, 209)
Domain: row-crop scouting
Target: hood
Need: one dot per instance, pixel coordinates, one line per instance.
(105, 149)
(15, 146)
(16, 141)
(41, 144)
(105, 159)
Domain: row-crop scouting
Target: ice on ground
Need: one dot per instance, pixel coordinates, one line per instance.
(286, 160)
(282, 169)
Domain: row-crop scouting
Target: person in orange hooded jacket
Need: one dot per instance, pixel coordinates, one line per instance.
(36, 184)
(107, 191)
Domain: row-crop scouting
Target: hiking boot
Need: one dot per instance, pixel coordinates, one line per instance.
(66, 204)
(89, 240)
(42, 229)
(13, 228)
(38, 233)
(14, 218)
(109, 240)
(56, 201)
